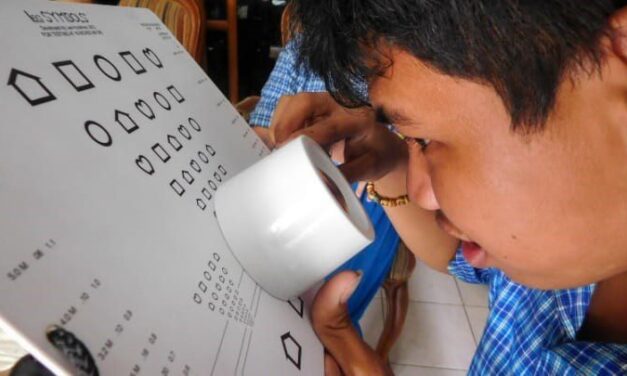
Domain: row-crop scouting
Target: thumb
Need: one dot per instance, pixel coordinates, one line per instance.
(331, 368)
(336, 332)
(330, 306)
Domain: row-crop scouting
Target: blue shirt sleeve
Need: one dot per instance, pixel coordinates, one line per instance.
(287, 78)
(460, 268)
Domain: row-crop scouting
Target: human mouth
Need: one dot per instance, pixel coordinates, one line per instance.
(472, 251)
(474, 254)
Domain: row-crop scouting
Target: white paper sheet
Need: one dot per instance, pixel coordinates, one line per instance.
(112, 144)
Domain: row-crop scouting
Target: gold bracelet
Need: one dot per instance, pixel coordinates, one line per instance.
(385, 201)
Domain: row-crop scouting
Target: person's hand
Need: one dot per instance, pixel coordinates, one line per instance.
(371, 150)
(346, 353)
(264, 135)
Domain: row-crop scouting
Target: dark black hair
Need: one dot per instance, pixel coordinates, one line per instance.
(522, 48)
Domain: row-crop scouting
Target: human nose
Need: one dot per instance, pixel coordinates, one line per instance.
(419, 187)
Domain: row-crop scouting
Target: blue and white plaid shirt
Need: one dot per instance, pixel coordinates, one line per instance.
(286, 79)
(533, 332)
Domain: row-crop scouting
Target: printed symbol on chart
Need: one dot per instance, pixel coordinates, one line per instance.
(210, 150)
(162, 101)
(177, 187)
(132, 62)
(73, 75)
(145, 109)
(195, 166)
(112, 72)
(126, 121)
(98, 133)
(217, 177)
(203, 157)
(292, 349)
(30, 87)
(201, 204)
(187, 177)
(219, 295)
(184, 132)
(174, 142)
(298, 305)
(152, 57)
(175, 94)
(145, 165)
(160, 152)
(194, 124)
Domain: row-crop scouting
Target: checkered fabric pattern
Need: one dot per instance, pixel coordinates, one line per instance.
(286, 79)
(533, 332)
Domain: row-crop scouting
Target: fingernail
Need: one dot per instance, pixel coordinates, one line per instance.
(351, 288)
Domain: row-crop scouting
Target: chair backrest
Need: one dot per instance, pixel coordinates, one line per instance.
(286, 32)
(185, 18)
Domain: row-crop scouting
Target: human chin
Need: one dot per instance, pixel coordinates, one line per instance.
(524, 269)
(535, 280)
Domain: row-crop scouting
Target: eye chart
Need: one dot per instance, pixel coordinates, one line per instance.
(113, 143)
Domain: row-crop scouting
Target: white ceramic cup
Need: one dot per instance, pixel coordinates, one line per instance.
(292, 218)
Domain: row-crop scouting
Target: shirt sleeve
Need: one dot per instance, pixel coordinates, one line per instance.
(286, 78)
(460, 268)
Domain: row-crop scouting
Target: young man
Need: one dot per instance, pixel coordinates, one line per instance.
(515, 119)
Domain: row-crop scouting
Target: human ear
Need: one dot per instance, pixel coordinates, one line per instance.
(618, 23)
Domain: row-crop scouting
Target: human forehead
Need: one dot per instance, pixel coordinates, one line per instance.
(419, 92)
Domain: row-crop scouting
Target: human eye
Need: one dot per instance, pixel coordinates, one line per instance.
(423, 143)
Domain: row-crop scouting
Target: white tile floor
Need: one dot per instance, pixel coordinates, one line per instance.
(444, 323)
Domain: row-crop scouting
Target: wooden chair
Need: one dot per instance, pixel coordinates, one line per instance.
(396, 288)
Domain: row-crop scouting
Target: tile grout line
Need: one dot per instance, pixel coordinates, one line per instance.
(430, 367)
(472, 331)
(438, 303)
(477, 306)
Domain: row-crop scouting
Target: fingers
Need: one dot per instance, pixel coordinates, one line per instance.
(370, 160)
(335, 330)
(331, 368)
(264, 135)
(330, 302)
(294, 112)
(359, 169)
(329, 130)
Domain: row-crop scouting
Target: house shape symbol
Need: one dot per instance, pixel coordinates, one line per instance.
(30, 87)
